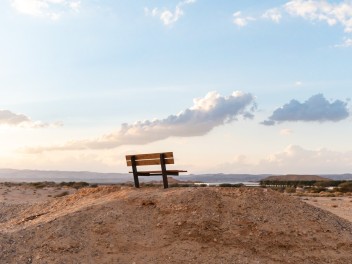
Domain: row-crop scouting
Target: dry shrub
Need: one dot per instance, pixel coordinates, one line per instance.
(290, 189)
(61, 194)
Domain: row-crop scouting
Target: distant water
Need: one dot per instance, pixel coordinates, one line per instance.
(248, 184)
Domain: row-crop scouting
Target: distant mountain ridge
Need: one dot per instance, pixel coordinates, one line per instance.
(15, 175)
(292, 177)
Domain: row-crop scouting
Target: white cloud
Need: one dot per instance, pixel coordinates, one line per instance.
(206, 113)
(331, 13)
(286, 132)
(167, 16)
(315, 109)
(240, 20)
(8, 118)
(52, 9)
(295, 159)
(346, 43)
(274, 14)
(298, 83)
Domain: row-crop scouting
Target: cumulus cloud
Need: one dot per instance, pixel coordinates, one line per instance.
(334, 13)
(345, 44)
(314, 10)
(167, 16)
(295, 159)
(274, 14)
(240, 20)
(8, 118)
(52, 9)
(316, 108)
(206, 113)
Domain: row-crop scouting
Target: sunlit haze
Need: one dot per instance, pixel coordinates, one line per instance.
(228, 86)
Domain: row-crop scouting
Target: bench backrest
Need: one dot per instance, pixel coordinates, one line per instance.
(150, 159)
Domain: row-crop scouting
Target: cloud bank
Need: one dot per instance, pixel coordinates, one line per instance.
(206, 113)
(335, 13)
(331, 13)
(293, 159)
(315, 109)
(296, 159)
(167, 16)
(52, 9)
(8, 118)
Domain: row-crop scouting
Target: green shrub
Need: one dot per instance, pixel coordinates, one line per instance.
(345, 187)
(231, 185)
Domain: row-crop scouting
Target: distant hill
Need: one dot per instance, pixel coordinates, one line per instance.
(296, 178)
(223, 178)
(97, 177)
(338, 177)
(14, 175)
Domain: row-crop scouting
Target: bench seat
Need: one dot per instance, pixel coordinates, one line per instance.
(157, 173)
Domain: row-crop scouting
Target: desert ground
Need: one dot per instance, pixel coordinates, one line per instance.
(121, 224)
(341, 206)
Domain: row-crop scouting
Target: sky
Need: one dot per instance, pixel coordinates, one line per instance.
(228, 86)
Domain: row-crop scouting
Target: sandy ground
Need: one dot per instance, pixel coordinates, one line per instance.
(26, 194)
(341, 206)
(176, 225)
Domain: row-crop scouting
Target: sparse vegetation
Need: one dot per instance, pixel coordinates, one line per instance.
(230, 185)
(290, 189)
(311, 188)
(345, 187)
(76, 185)
(64, 193)
(181, 185)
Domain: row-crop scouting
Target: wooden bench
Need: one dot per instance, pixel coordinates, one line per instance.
(152, 159)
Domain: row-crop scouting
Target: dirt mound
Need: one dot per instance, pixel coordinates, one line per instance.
(296, 178)
(177, 225)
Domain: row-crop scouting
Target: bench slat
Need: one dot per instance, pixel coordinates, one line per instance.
(159, 171)
(150, 156)
(156, 173)
(150, 162)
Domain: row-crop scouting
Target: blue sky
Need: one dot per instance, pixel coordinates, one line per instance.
(82, 83)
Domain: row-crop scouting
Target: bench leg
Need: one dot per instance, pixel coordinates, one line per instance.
(165, 182)
(163, 171)
(135, 174)
(136, 181)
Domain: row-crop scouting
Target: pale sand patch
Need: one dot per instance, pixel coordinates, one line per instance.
(26, 194)
(340, 206)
